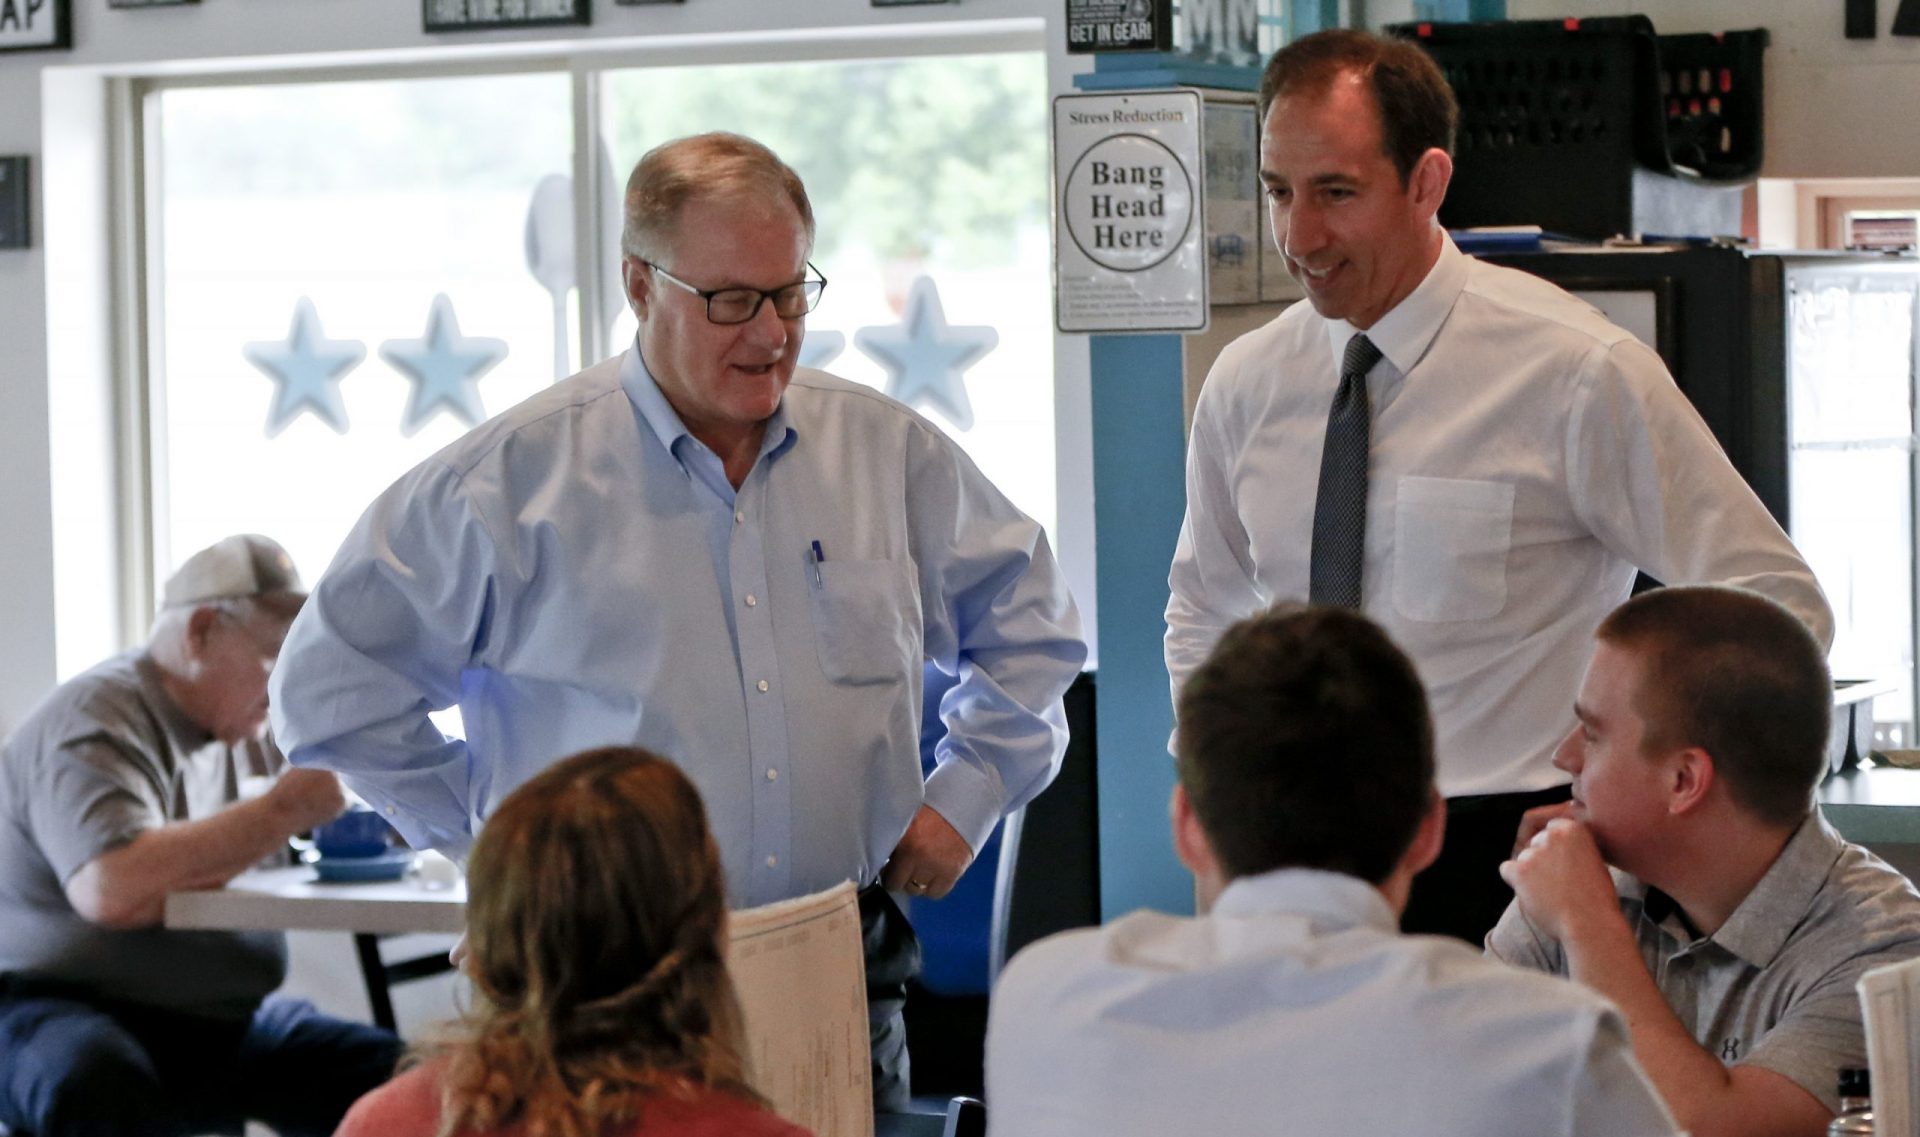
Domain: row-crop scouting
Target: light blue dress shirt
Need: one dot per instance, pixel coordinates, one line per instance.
(579, 572)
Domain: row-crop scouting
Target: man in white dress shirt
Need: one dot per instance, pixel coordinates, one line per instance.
(1486, 483)
(1295, 1005)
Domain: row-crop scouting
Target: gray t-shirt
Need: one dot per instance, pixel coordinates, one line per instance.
(106, 756)
(1774, 987)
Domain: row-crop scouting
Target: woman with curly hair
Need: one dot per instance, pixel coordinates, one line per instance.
(596, 919)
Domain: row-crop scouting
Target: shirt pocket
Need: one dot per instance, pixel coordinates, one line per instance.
(1451, 538)
(866, 619)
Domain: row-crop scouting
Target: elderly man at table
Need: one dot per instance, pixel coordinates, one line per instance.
(1735, 922)
(698, 548)
(1305, 806)
(122, 787)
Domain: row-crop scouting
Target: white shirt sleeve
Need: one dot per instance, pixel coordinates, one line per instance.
(1651, 482)
(1211, 584)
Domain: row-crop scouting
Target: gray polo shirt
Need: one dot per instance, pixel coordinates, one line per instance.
(106, 756)
(1774, 987)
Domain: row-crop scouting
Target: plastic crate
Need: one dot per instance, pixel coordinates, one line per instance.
(1710, 105)
(1556, 115)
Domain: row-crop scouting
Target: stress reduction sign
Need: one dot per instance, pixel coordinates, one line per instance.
(1129, 242)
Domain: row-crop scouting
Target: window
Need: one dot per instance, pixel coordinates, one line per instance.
(303, 226)
(345, 274)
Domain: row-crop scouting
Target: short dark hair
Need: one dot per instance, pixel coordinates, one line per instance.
(1417, 109)
(1305, 743)
(1740, 677)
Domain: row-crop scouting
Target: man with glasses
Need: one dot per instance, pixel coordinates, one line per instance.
(697, 548)
(123, 786)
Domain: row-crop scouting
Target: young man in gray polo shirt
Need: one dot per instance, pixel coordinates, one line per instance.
(1735, 921)
(119, 788)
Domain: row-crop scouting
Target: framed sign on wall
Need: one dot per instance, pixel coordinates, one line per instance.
(482, 15)
(1119, 25)
(34, 25)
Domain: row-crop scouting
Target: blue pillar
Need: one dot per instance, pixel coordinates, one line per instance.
(1139, 487)
(1139, 493)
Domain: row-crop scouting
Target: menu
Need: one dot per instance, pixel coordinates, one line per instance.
(803, 990)
(1890, 1003)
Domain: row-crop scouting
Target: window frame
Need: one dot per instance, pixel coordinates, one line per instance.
(136, 253)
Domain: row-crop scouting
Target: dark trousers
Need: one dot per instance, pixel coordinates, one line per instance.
(73, 1064)
(892, 957)
(1461, 894)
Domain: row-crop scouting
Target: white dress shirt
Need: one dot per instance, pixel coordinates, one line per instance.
(579, 572)
(1296, 1007)
(1527, 456)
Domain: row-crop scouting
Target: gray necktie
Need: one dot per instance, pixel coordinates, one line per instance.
(1340, 507)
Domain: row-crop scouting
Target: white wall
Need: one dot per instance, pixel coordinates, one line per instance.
(52, 105)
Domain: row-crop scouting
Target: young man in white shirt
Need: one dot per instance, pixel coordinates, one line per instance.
(1738, 922)
(1305, 807)
(1483, 483)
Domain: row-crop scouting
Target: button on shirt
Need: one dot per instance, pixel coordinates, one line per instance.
(1527, 456)
(1297, 1007)
(1774, 986)
(579, 572)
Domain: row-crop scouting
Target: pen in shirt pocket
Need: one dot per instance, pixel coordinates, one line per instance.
(817, 557)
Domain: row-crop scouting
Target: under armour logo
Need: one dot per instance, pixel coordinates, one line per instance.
(1730, 1050)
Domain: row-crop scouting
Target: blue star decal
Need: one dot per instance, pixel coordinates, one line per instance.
(306, 368)
(821, 348)
(444, 367)
(924, 355)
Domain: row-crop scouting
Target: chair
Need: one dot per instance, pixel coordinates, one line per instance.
(1048, 879)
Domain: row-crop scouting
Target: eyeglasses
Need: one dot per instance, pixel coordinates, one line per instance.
(738, 305)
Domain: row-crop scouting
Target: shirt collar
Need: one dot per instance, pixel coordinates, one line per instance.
(1407, 330)
(1759, 927)
(186, 735)
(1335, 898)
(651, 402)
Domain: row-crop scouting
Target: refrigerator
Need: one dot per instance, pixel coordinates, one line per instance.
(1804, 366)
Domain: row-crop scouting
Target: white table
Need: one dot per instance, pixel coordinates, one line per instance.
(294, 899)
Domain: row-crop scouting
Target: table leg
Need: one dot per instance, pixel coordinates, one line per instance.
(367, 946)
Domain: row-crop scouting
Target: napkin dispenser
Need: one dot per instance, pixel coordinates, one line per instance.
(1851, 737)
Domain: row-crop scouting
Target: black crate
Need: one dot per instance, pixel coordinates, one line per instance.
(1710, 105)
(1561, 121)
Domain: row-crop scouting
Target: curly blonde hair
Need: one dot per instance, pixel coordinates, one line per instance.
(596, 922)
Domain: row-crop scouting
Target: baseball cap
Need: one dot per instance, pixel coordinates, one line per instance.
(232, 568)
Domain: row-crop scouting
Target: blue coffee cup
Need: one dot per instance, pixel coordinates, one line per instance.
(359, 832)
